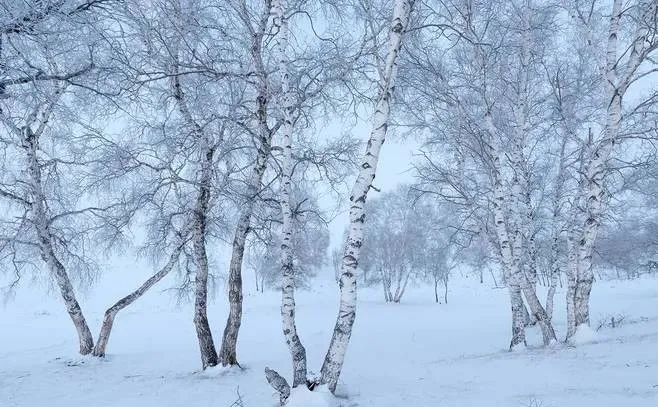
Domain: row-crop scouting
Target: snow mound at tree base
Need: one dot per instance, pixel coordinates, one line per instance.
(320, 397)
(220, 371)
(584, 334)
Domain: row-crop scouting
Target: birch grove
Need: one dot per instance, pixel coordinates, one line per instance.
(222, 145)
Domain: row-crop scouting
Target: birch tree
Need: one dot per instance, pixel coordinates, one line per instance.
(263, 141)
(297, 350)
(334, 358)
(333, 362)
(625, 63)
(489, 101)
(183, 104)
(47, 52)
(394, 241)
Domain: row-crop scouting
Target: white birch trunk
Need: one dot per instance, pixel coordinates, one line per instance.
(333, 362)
(571, 286)
(616, 85)
(528, 285)
(523, 241)
(41, 220)
(505, 245)
(297, 350)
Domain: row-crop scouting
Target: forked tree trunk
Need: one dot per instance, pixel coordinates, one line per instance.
(228, 351)
(402, 286)
(333, 362)
(41, 221)
(617, 81)
(111, 313)
(521, 209)
(204, 334)
(527, 278)
(595, 173)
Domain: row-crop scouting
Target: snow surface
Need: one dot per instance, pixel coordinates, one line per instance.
(417, 353)
(584, 334)
(320, 397)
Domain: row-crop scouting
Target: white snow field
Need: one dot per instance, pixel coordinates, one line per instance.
(415, 354)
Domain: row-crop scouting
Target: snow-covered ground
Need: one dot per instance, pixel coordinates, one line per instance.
(413, 354)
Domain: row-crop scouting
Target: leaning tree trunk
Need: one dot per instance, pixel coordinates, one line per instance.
(399, 292)
(41, 221)
(333, 362)
(111, 313)
(297, 350)
(228, 351)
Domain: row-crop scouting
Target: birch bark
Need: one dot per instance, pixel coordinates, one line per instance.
(521, 212)
(111, 313)
(41, 218)
(617, 81)
(297, 350)
(505, 245)
(556, 231)
(200, 257)
(228, 351)
(206, 151)
(335, 356)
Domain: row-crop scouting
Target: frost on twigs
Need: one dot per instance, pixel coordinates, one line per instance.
(611, 321)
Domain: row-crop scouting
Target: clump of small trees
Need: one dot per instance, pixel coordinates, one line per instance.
(406, 241)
